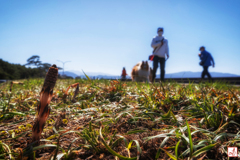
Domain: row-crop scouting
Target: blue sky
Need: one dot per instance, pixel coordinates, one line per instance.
(107, 35)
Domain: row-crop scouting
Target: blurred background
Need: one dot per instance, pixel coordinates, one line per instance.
(102, 37)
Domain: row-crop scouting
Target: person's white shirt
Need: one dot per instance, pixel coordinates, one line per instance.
(163, 50)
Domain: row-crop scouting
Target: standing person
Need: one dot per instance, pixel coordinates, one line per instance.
(124, 74)
(160, 46)
(206, 61)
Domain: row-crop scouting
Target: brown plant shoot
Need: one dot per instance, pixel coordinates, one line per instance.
(71, 86)
(14, 83)
(43, 109)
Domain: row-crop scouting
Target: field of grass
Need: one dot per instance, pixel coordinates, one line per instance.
(121, 120)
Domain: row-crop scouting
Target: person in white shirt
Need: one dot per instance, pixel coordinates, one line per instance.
(160, 46)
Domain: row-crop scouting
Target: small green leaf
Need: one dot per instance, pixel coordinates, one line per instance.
(203, 150)
(190, 139)
(169, 154)
(87, 76)
(176, 149)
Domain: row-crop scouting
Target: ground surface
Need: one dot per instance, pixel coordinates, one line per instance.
(126, 120)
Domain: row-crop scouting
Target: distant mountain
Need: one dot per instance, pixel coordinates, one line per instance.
(90, 73)
(75, 74)
(189, 74)
(71, 74)
(186, 74)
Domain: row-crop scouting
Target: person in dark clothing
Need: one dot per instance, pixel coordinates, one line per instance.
(157, 60)
(207, 60)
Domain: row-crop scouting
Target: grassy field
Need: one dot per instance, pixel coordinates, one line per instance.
(121, 120)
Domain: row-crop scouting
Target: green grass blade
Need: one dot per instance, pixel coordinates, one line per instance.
(72, 143)
(8, 148)
(116, 142)
(139, 151)
(124, 139)
(44, 146)
(158, 136)
(169, 154)
(190, 139)
(166, 139)
(87, 76)
(203, 150)
(112, 151)
(187, 151)
(16, 113)
(136, 131)
(221, 135)
(176, 149)
(158, 153)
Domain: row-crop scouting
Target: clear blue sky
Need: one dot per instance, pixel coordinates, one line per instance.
(107, 35)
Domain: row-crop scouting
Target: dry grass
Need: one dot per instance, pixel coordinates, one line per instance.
(107, 119)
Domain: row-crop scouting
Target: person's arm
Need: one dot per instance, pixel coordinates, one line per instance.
(212, 60)
(155, 43)
(167, 48)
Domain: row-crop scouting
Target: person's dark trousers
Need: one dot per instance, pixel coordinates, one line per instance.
(157, 60)
(123, 78)
(205, 72)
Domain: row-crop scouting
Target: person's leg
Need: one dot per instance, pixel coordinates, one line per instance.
(155, 66)
(208, 74)
(204, 72)
(162, 68)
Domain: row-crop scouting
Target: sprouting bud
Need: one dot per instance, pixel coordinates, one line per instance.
(43, 108)
(51, 77)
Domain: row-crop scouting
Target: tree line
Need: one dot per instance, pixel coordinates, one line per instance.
(16, 71)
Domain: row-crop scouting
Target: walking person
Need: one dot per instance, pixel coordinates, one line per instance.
(206, 61)
(124, 74)
(160, 51)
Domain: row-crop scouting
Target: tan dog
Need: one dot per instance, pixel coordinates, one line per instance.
(141, 72)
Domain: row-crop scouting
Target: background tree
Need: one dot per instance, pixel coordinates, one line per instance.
(34, 60)
(10, 71)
